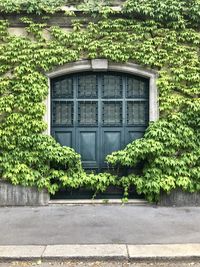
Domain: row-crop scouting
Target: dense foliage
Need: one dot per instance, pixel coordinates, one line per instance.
(160, 34)
(33, 6)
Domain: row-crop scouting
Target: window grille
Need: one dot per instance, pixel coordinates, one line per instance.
(63, 88)
(87, 113)
(137, 113)
(87, 86)
(112, 86)
(62, 112)
(137, 88)
(112, 113)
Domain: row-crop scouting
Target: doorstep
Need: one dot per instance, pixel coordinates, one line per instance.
(137, 202)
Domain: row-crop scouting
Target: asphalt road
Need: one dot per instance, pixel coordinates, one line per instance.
(103, 224)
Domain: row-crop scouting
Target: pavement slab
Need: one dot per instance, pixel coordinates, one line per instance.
(21, 252)
(164, 251)
(86, 251)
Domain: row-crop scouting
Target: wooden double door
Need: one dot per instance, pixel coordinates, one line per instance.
(98, 113)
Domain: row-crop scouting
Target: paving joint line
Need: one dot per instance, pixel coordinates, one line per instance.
(45, 247)
(127, 250)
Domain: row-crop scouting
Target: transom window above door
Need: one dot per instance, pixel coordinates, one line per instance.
(97, 113)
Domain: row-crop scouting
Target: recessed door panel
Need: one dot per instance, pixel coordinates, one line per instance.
(132, 134)
(87, 146)
(112, 140)
(65, 138)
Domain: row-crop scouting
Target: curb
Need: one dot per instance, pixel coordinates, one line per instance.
(101, 252)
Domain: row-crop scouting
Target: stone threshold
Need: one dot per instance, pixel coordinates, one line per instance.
(101, 252)
(137, 202)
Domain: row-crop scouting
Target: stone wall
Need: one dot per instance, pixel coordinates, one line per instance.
(179, 198)
(16, 195)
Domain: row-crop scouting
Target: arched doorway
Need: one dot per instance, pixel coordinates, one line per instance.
(96, 107)
(105, 88)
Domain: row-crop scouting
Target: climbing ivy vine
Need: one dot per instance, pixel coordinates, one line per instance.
(33, 6)
(160, 34)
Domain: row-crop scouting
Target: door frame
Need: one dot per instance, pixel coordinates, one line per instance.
(105, 65)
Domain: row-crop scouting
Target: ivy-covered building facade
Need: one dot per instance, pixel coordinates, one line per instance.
(97, 94)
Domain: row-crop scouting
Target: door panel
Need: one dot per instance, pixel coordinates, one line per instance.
(112, 140)
(131, 135)
(64, 138)
(87, 146)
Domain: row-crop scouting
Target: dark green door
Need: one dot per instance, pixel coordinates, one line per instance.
(98, 113)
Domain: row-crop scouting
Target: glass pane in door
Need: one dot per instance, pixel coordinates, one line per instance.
(62, 113)
(87, 113)
(137, 113)
(112, 113)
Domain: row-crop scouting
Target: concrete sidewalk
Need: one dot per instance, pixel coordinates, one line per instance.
(99, 231)
(101, 252)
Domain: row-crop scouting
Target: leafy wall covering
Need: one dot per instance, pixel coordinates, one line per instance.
(159, 34)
